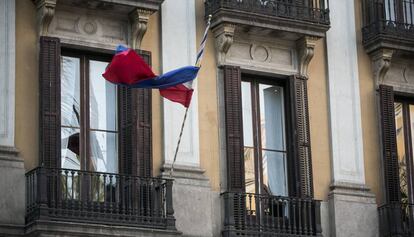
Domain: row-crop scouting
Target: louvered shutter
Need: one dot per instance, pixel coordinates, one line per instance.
(301, 135)
(49, 78)
(389, 146)
(234, 128)
(144, 115)
(135, 133)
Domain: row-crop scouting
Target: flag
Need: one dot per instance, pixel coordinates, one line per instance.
(127, 68)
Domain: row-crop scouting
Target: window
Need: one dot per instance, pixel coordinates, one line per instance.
(404, 127)
(264, 136)
(89, 126)
(399, 11)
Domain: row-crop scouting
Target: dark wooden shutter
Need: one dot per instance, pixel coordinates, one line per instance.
(135, 133)
(301, 135)
(389, 146)
(49, 78)
(234, 128)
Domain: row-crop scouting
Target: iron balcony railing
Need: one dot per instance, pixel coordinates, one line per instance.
(396, 220)
(314, 11)
(102, 198)
(388, 18)
(264, 215)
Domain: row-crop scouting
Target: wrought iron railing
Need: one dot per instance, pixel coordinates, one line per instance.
(103, 198)
(314, 11)
(396, 220)
(264, 215)
(389, 18)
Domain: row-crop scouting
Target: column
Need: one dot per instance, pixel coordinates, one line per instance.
(12, 177)
(352, 207)
(179, 49)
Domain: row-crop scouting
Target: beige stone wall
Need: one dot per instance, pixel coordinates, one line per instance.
(208, 105)
(152, 42)
(369, 113)
(27, 86)
(319, 122)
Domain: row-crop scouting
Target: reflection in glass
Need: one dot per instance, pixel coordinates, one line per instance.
(103, 153)
(272, 117)
(274, 173)
(249, 170)
(408, 8)
(70, 92)
(402, 164)
(389, 6)
(272, 125)
(70, 148)
(247, 114)
(102, 98)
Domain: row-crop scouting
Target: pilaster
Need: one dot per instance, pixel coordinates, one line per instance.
(352, 207)
(7, 72)
(178, 50)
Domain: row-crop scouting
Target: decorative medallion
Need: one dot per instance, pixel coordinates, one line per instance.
(259, 53)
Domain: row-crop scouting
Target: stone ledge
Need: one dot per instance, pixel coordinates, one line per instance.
(11, 230)
(186, 175)
(66, 229)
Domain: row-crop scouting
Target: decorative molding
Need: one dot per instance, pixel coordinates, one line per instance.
(224, 34)
(45, 14)
(98, 30)
(264, 54)
(306, 47)
(139, 23)
(381, 62)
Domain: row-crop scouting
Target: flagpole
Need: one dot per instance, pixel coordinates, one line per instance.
(198, 64)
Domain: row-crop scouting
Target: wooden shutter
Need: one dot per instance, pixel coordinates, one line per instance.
(144, 115)
(135, 133)
(301, 135)
(49, 78)
(234, 128)
(389, 146)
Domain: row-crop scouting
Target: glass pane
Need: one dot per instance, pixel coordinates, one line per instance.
(247, 114)
(274, 173)
(399, 126)
(70, 148)
(103, 99)
(104, 150)
(272, 122)
(249, 170)
(408, 8)
(70, 92)
(389, 10)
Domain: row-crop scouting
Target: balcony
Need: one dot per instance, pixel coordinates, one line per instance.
(388, 24)
(99, 198)
(263, 215)
(310, 17)
(396, 220)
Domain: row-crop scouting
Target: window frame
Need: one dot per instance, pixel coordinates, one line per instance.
(84, 140)
(405, 102)
(255, 81)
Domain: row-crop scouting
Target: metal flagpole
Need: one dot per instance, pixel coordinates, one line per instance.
(198, 64)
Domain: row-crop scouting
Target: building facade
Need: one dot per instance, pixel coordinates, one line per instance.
(299, 125)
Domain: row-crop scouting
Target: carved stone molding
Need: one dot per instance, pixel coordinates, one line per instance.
(306, 46)
(381, 61)
(139, 23)
(45, 13)
(224, 34)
